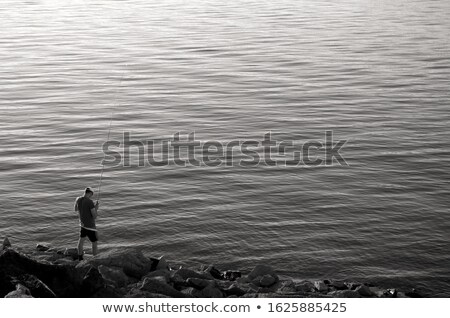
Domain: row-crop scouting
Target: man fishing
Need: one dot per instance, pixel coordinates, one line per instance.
(88, 213)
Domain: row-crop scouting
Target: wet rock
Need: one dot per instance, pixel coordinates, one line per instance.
(92, 282)
(364, 290)
(214, 272)
(132, 262)
(267, 280)
(6, 243)
(345, 294)
(20, 292)
(42, 248)
(320, 286)
(114, 276)
(158, 285)
(262, 270)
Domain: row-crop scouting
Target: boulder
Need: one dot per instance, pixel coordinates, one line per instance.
(159, 273)
(92, 282)
(20, 292)
(267, 280)
(261, 270)
(413, 293)
(61, 279)
(35, 286)
(132, 262)
(6, 243)
(364, 290)
(287, 287)
(71, 252)
(114, 276)
(211, 291)
(320, 286)
(305, 287)
(199, 283)
(158, 285)
(339, 285)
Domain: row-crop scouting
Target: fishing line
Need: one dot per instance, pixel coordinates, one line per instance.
(115, 104)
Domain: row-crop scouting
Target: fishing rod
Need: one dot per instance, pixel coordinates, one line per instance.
(107, 139)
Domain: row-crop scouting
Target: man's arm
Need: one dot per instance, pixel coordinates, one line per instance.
(76, 204)
(94, 211)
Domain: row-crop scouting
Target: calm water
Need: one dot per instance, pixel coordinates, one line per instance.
(377, 73)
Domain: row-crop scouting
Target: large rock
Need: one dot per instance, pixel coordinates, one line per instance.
(287, 287)
(261, 270)
(305, 287)
(199, 283)
(364, 290)
(92, 282)
(132, 262)
(158, 285)
(35, 286)
(20, 292)
(339, 285)
(114, 276)
(211, 291)
(139, 293)
(267, 281)
(234, 290)
(6, 243)
(62, 280)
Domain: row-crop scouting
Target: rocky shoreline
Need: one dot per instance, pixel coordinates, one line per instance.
(51, 272)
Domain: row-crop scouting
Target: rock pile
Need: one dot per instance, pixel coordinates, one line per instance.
(49, 272)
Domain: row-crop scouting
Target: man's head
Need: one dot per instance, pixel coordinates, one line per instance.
(88, 192)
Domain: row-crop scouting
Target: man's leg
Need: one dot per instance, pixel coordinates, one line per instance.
(80, 247)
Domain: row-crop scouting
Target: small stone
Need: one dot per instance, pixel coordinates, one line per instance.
(232, 275)
(6, 243)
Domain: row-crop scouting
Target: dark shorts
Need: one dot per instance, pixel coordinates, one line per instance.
(92, 235)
